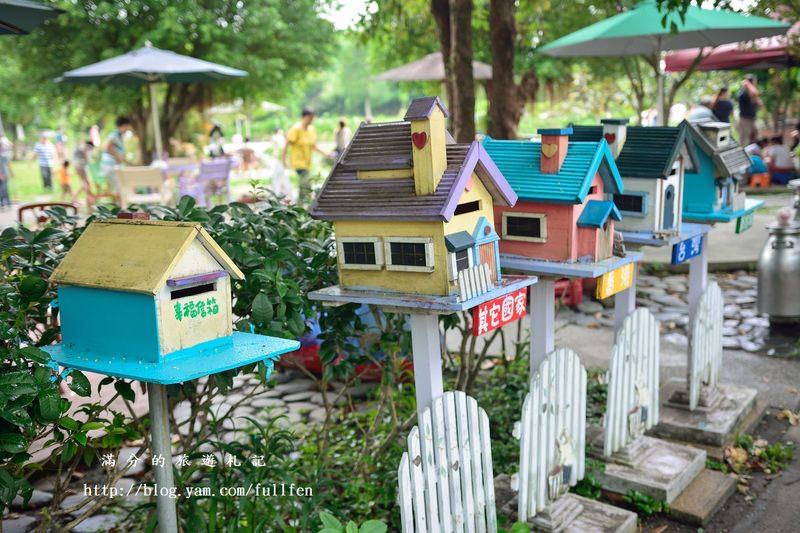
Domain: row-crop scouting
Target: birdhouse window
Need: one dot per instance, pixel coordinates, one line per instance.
(468, 207)
(531, 227)
(192, 291)
(462, 260)
(634, 204)
(409, 253)
(360, 253)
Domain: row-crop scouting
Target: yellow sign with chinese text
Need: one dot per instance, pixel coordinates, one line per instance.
(615, 281)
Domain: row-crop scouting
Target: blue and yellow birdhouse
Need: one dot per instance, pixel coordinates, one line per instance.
(151, 300)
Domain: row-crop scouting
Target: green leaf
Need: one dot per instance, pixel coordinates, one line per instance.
(80, 438)
(262, 309)
(80, 384)
(520, 527)
(35, 354)
(373, 526)
(68, 423)
(49, 401)
(89, 426)
(328, 520)
(125, 390)
(13, 442)
(33, 287)
(351, 527)
(18, 417)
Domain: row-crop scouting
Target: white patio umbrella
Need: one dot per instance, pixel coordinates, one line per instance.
(151, 65)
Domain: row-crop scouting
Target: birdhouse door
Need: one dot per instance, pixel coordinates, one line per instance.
(488, 257)
(669, 207)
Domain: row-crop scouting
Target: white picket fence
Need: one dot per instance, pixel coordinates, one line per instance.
(633, 404)
(705, 354)
(552, 432)
(474, 281)
(446, 482)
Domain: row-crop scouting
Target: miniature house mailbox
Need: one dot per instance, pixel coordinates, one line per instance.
(413, 215)
(712, 191)
(151, 301)
(563, 224)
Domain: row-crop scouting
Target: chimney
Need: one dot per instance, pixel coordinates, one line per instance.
(428, 139)
(615, 131)
(555, 143)
(131, 215)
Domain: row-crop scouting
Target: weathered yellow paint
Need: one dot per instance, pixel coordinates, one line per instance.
(134, 255)
(179, 334)
(384, 174)
(468, 221)
(431, 161)
(615, 281)
(434, 283)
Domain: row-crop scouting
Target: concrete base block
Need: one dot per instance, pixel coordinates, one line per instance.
(658, 468)
(698, 504)
(712, 424)
(599, 517)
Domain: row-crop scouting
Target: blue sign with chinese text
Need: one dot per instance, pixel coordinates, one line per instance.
(685, 250)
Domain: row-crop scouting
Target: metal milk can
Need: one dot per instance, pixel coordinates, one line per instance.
(779, 267)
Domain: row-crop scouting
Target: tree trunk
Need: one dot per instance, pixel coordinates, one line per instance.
(461, 64)
(440, 10)
(505, 105)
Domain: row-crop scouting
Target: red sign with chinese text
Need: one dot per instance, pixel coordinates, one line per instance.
(496, 313)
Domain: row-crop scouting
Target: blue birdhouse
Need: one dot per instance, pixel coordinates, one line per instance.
(151, 300)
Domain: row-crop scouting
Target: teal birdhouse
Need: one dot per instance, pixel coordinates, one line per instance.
(151, 300)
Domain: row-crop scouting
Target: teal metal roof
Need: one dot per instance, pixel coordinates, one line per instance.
(518, 160)
(596, 212)
(648, 152)
(456, 242)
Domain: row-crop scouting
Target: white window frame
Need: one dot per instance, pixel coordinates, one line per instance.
(387, 253)
(379, 262)
(542, 226)
(452, 266)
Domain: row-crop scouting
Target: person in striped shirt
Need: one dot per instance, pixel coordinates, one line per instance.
(46, 154)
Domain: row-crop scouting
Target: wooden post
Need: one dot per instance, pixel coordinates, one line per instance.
(161, 444)
(542, 321)
(625, 302)
(698, 280)
(427, 352)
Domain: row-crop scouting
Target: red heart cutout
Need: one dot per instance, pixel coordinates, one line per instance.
(610, 137)
(420, 139)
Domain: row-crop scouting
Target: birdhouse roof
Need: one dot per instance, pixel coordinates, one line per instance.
(421, 108)
(596, 212)
(387, 146)
(134, 255)
(648, 152)
(729, 158)
(519, 161)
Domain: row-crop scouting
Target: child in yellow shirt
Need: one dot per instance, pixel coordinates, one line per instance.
(63, 180)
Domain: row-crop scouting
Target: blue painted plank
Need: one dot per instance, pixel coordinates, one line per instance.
(750, 206)
(687, 249)
(646, 238)
(540, 267)
(121, 324)
(418, 303)
(207, 358)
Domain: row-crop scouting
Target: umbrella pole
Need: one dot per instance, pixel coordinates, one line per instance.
(156, 124)
(661, 120)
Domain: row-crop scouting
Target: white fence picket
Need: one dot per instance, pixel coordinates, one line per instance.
(705, 354)
(448, 484)
(474, 281)
(632, 381)
(555, 407)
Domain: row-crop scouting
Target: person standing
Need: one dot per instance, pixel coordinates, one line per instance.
(6, 152)
(301, 143)
(343, 136)
(749, 102)
(722, 105)
(114, 151)
(80, 160)
(46, 154)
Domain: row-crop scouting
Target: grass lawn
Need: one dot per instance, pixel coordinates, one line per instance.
(26, 183)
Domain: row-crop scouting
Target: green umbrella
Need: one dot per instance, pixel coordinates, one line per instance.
(643, 31)
(19, 17)
(149, 65)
